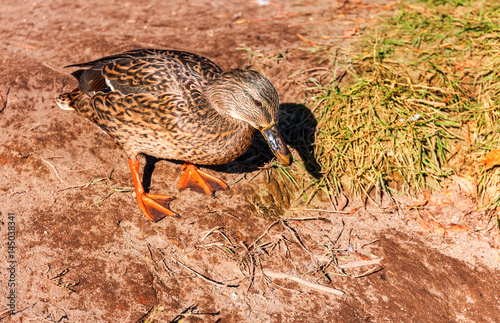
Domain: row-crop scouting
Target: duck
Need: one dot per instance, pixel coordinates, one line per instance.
(176, 105)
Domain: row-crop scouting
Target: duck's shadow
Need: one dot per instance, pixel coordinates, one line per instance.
(298, 127)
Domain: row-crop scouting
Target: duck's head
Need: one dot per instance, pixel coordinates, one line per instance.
(248, 96)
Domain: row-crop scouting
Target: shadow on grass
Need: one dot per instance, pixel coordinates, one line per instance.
(298, 125)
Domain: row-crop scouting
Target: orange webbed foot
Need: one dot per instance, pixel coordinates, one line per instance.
(154, 206)
(199, 180)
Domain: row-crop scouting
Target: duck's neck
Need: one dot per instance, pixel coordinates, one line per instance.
(225, 138)
(216, 97)
(211, 113)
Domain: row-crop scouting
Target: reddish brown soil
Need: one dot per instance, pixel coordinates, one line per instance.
(82, 261)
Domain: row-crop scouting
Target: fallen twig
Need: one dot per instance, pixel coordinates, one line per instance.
(312, 22)
(369, 272)
(282, 15)
(305, 40)
(55, 69)
(308, 219)
(321, 210)
(144, 316)
(53, 168)
(361, 263)
(251, 270)
(309, 284)
(263, 234)
(297, 237)
(205, 278)
(6, 98)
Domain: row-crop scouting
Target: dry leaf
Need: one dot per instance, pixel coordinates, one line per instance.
(457, 228)
(418, 204)
(351, 32)
(361, 256)
(466, 186)
(424, 224)
(351, 212)
(492, 159)
(432, 225)
(437, 227)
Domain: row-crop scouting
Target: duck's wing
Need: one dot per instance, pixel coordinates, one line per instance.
(144, 89)
(149, 71)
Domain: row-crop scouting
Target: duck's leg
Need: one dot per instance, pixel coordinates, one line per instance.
(200, 181)
(154, 206)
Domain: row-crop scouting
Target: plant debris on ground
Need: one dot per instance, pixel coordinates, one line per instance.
(422, 106)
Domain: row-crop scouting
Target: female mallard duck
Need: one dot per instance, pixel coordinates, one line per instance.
(176, 105)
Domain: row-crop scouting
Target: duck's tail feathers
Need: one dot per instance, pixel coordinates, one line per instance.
(63, 101)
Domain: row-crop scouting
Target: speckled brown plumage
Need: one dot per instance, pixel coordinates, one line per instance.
(176, 105)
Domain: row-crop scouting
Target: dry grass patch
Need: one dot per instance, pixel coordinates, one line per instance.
(421, 107)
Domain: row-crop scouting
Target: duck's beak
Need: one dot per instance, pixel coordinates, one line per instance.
(277, 144)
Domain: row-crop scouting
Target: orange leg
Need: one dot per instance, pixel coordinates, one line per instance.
(154, 206)
(200, 181)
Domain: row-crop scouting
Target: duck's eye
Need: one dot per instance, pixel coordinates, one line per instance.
(258, 103)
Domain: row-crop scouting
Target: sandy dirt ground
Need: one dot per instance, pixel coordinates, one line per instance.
(79, 258)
